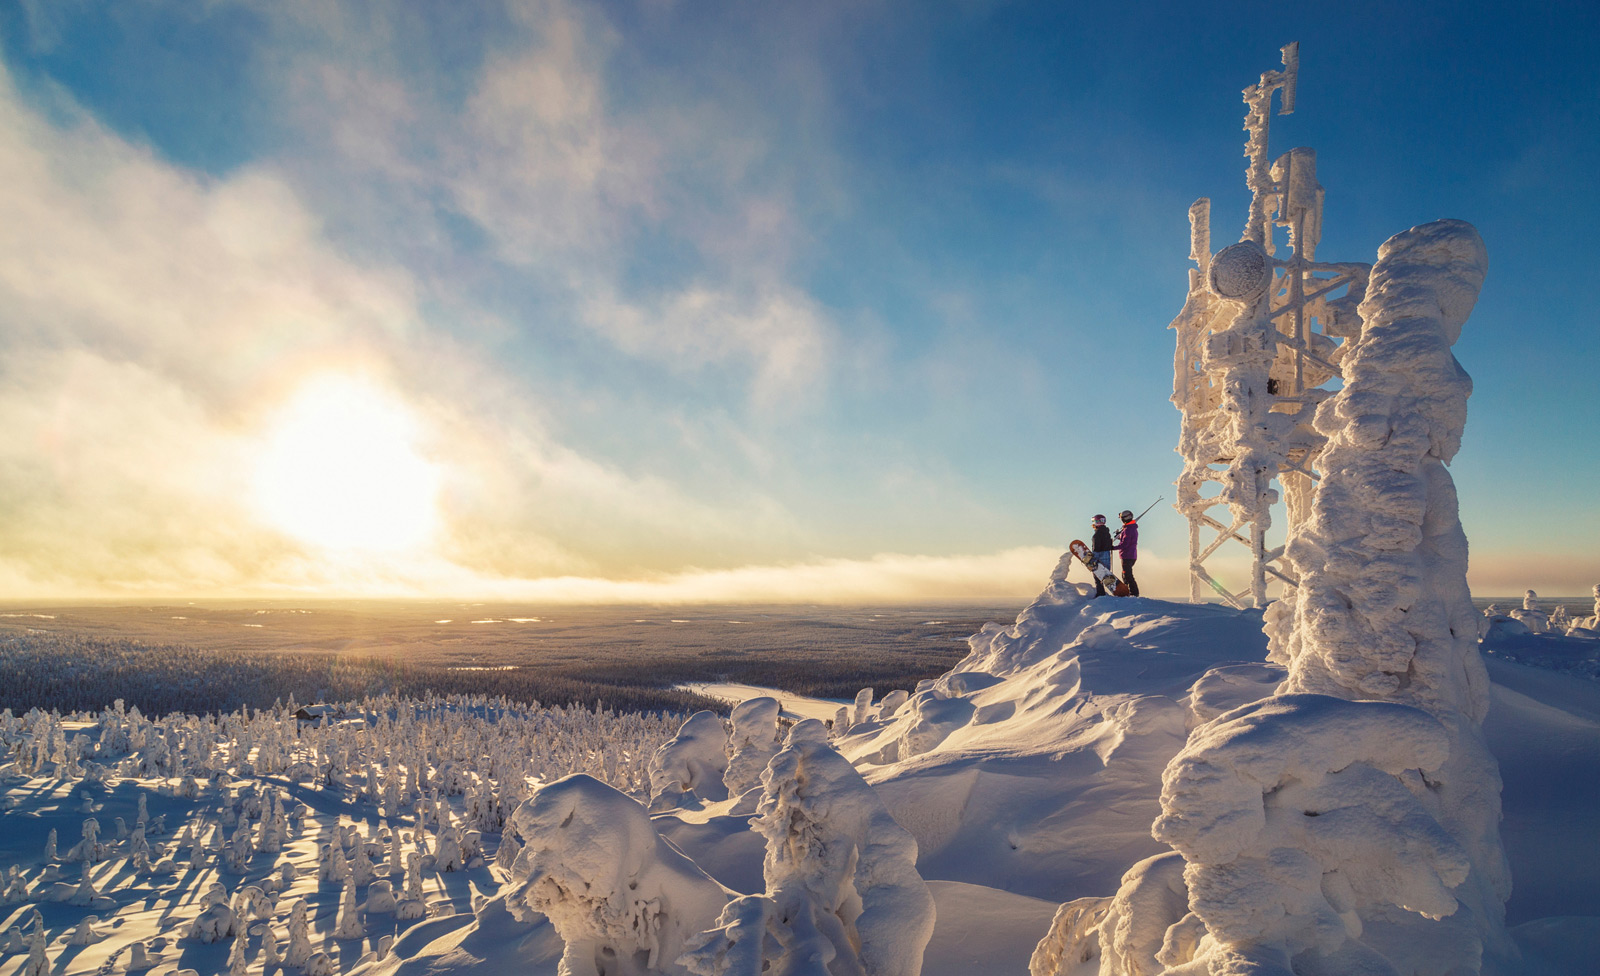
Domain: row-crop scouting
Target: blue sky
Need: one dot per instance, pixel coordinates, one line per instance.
(695, 299)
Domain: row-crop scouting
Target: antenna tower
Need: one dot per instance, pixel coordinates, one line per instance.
(1260, 336)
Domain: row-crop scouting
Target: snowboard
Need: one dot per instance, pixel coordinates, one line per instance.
(1101, 572)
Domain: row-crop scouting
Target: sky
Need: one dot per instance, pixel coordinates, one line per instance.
(653, 300)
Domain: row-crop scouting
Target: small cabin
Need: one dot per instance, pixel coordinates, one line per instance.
(318, 714)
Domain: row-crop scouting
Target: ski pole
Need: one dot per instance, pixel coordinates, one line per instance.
(1152, 505)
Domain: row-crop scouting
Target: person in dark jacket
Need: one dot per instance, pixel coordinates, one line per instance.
(1128, 547)
(1102, 546)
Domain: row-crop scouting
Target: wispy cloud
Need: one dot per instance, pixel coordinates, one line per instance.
(568, 188)
(150, 321)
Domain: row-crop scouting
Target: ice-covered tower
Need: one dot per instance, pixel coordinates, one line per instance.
(1259, 337)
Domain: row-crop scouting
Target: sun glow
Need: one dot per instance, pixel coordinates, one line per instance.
(340, 470)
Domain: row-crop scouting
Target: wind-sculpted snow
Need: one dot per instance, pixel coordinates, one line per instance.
(623, 900)
(1031, 765)
(1300, 814)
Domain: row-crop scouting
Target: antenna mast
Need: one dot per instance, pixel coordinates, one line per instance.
(1257, 340)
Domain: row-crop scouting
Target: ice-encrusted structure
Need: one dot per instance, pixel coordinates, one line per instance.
(622, 899)
(1349, 823)
(843, 893)
(1258, 339)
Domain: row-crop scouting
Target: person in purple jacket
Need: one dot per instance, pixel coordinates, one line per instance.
(1128, 547)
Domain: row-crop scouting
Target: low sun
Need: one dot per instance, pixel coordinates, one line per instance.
(340, 470)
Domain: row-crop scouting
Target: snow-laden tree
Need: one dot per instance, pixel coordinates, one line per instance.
(693, 760)
(300, 948)
(380, 898)
(622, 899)
(891, 703)
(843, 893)
(863, 707)
(1531, 615)
(38, 963)
(217, 921)
(84, 933)
(1305, 819)
(89, 848)
(270, 958)
(752, 743)
(1587, 627)
(238, 962)
(349, 924)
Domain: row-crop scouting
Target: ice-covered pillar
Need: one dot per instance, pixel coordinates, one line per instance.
(1383, 610)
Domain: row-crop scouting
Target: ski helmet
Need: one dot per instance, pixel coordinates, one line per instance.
(1098, 520)
(1126, 515)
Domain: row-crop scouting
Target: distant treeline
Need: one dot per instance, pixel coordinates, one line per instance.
(73, 673)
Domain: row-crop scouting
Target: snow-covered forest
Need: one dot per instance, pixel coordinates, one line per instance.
(67, 672)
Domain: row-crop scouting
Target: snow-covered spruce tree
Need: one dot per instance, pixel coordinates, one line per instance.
(1587, 627)
(1350, 824)
(349, 924)
(695, 759)
(270, 959)
(38, 963)
(863, 707)
(752, 743)
(843, 893)
(612, 888)
(1531, 615)
(238, 962)
(300, 948)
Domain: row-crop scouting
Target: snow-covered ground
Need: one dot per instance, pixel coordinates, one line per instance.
(1027, 777)
(794, 707)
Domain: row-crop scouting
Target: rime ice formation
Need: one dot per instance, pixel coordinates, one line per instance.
(1350, 822)
(1587, 627)
(693, 761)
(1383, 609)
(1531, 615)
(843, 893)
(1073, 939)
(614, 890)
(752, 742)
(1300, 821)
(1370, 837)
(1257, 339)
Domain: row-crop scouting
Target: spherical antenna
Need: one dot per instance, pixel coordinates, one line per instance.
(1240, 272)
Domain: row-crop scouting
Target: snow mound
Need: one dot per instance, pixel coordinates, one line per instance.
(1031, 765)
